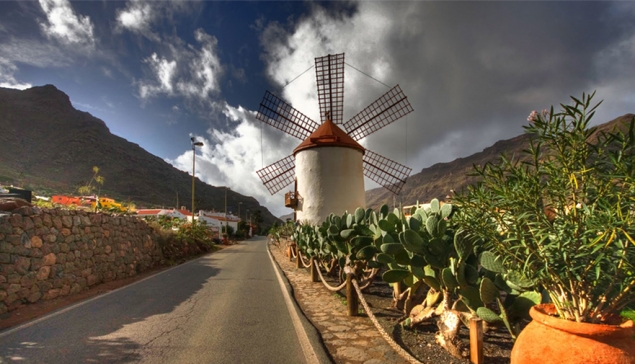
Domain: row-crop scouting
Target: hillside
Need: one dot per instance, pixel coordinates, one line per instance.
(51, 147)
(436, 181)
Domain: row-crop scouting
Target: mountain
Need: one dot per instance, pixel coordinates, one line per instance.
(286, 217)
(49, 146)
(437, 181)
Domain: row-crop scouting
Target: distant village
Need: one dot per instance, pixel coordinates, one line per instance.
(213, 219)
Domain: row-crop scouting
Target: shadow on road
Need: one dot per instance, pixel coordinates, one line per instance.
(101, 330)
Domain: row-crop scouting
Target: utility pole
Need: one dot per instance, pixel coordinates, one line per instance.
(194, 145)
(226, 222)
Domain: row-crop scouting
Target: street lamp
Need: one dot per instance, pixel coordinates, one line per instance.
(194, 145)
(226, 222)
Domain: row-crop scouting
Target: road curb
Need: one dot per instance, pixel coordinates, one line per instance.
(315, 339)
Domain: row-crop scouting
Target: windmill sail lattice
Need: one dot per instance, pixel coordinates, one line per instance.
(277, 113)
(388, 173)
(329, 71)
(390, 107)
(278, 175)
(330, 83)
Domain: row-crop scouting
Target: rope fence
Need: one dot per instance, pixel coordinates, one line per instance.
(328, 286)
(403, 353)
(360, 297)
(306, 265)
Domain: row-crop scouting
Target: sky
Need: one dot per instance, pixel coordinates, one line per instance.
(160, 72)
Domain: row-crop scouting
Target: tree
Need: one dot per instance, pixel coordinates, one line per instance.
(89, 188)
(257, 219)
(243, 229)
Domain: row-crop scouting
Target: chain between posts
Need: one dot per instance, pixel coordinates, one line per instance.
(403, 353)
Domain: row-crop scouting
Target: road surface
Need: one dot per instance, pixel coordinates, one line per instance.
(227, 307)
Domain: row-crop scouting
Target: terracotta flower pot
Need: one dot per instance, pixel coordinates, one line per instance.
(549, 339)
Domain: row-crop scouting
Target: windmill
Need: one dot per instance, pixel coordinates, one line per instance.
(329, 166)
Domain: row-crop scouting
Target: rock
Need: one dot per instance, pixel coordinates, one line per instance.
(12, 297)
(352, 354)
(46, 220)
(76, 288)
(57, 222)
(36, 264)
(5, 258)
(3, 295)
(43, 273)
(24, 239)
(6, 247)
(45, 286)
(34, 297)
(65, 232)
(49, 259)
(52, 293)
(67, 221)
(14, 288)
(28, 280)
(22, 265)
(14, 278)
(65, 290)
(92, 279)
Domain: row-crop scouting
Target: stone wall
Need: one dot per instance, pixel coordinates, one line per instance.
(46, 253)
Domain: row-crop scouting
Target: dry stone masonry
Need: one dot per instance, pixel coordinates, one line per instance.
(46, 253)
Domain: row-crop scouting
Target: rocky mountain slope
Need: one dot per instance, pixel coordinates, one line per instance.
(48, 145)
(436, 181)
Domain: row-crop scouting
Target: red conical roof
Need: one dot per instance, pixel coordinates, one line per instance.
(328, 135)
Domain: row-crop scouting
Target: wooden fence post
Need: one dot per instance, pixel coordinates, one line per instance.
(314, 272)
(476, 340)
(299, 261)
(351, 296)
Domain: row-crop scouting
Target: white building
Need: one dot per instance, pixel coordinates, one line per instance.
(217, 219)
(179, 214)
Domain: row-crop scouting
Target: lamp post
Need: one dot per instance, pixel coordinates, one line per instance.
(194, 145)
(226, 222)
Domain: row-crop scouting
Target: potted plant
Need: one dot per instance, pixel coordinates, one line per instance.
(562, 216)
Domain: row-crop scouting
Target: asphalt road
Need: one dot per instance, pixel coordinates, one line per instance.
(227, 307)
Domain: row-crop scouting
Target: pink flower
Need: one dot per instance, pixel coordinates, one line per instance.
(532, 116)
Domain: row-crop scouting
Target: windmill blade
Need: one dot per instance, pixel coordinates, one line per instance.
(329, 71)
(277, 113)
(384, 171)
(278, 175)
(385, 110)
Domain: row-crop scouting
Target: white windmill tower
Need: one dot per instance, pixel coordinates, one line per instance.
(329, 165)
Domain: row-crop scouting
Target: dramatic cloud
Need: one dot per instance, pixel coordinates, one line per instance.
(139, 16)
(7, 79)
(66, 26)
(185, 70)
(164, 71)
(232, 158)
(472, 71)
(136, 16)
